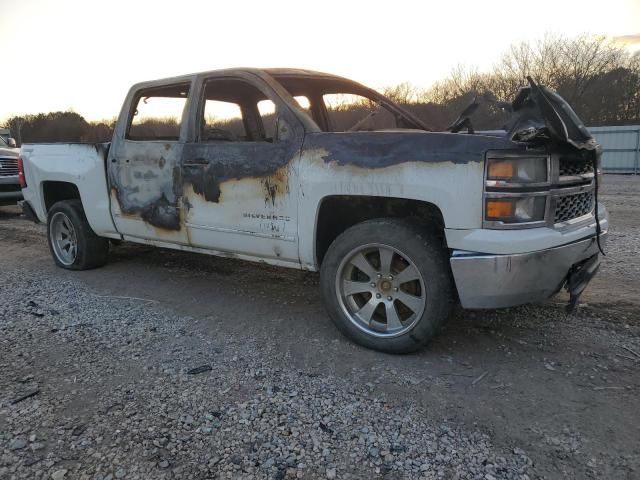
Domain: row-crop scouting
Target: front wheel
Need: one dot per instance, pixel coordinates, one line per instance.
(387, 285)
(72, 242)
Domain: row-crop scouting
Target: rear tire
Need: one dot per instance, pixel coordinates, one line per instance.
(72, 242)
(387, 285)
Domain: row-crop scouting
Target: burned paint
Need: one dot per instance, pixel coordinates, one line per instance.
(159, 173)
(208, 165)
(271, 190)
(274, 185)
(144, 187)
(387, 148)
(205, 181)
(102, 149)
(162, 214)
(153, 185)
(146, 176)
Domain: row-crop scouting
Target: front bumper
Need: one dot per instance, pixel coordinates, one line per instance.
(495, 281)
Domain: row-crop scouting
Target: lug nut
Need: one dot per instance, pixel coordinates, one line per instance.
(395, 289)
(373, 284)
(390, 277)
(389, 298)
(379, 275)
(378, 295)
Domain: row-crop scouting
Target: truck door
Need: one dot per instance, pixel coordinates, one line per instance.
(144, 166)
(240, 174)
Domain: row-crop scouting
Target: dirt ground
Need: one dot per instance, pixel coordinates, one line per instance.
(565, 389)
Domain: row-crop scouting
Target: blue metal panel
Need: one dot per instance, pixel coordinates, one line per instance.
(621, 148)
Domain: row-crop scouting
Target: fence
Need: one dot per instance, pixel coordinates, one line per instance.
(621, 148)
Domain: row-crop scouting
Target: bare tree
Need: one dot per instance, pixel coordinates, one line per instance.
(403, 93)
(599, 78)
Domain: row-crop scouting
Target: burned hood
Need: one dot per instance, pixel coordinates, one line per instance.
(540, 115)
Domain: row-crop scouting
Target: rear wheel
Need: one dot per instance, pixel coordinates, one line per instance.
(72, 242)
(387, 285)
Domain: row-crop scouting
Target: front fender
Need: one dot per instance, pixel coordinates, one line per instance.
(455, 188)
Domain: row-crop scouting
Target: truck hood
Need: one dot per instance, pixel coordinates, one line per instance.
(540, 115)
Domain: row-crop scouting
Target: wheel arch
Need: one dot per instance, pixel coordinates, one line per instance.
(95, 203)
(336, 213)
(54, 191)
(72, 242)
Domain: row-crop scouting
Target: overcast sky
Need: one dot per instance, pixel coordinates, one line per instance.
(84, 54)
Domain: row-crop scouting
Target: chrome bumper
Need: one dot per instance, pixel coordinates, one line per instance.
(495, 281)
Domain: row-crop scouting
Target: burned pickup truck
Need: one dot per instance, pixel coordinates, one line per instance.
(271, 166)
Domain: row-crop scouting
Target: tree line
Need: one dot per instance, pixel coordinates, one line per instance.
(599, 79)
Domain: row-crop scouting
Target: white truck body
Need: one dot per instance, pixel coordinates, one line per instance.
(264, 201)
(84, 165)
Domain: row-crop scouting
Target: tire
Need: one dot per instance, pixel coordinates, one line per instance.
(409, 252)
(72, 242)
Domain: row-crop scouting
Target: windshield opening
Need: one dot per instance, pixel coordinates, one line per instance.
(350, 113)
(340, 105)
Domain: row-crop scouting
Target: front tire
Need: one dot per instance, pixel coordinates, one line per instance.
(387, 285)
(72, 242)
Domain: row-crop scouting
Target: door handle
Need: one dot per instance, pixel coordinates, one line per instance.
(197, 161)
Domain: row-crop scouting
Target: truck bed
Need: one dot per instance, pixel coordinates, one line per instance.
(78, 164)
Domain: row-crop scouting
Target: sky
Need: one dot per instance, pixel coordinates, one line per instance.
(84, 54)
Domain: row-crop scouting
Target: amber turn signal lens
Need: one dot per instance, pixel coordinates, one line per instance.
(499, 208)
(500, 170)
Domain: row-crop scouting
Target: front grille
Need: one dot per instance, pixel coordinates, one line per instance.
(570, 167)
(8, 167)
(573, 206)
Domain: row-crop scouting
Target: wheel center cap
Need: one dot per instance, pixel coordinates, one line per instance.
(384, 285)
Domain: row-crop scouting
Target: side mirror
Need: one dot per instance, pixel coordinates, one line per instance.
(12, 143)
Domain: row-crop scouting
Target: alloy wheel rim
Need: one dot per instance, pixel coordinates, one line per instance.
(63, 239)
(380, 290)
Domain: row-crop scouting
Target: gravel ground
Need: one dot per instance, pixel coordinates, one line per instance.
(246, 415)
(171, 365)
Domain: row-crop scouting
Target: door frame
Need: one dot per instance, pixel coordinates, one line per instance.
(279, 241)
(131, 210)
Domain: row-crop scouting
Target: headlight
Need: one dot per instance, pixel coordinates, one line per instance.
(526, 170)
(515, 209)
